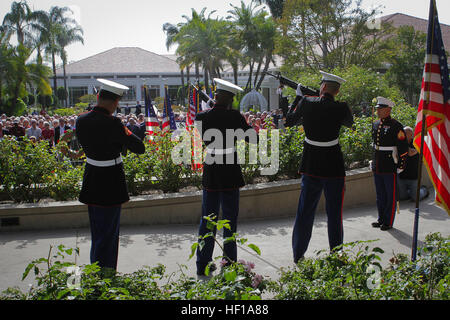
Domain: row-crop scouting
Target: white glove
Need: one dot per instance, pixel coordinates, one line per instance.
(400, 171)
(299, 91)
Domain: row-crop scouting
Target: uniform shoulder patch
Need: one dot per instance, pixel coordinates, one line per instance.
(401, 135)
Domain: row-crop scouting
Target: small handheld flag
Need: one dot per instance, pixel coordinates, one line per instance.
(151, 121)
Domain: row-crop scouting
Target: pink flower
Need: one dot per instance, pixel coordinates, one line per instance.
(223, 263)
(257, 281)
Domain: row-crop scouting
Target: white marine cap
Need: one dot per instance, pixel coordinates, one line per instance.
(383, 103)
(113, 87)
(227, 86)
(328, 77)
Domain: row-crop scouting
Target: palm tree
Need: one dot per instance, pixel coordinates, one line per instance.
(257, 33)
(201, 41)
(18, 20)
(18, 73)
(275, 6)
(69, 34)
(49, 25)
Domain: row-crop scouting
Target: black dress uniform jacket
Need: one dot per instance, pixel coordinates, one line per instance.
(103, 137)
(389, 133)
(322, 118)
(222, 177)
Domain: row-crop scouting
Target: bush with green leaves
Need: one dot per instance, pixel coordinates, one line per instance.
(139, 171)
(24, 166)
(30, 173)
(354, 272)
(64, 183)
(291, 149)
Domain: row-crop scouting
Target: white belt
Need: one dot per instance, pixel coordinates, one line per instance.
(394, 151)
(219, 151)
(378, 148)
(322, 144)
(107, 163)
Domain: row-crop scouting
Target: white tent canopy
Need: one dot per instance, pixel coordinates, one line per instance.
(254, 98)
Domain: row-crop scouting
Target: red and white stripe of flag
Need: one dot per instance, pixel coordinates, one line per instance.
(437, 141)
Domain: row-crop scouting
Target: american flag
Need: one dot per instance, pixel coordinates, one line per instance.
(193, 106)
(168, 122)
(151, 121)
(435, 105)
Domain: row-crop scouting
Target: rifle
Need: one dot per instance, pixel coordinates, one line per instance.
(205, 98)
(307, 91)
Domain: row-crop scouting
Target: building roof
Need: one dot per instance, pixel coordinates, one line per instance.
(125, 60)
(399, 19)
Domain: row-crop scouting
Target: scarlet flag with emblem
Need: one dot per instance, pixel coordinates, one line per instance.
(434, 108)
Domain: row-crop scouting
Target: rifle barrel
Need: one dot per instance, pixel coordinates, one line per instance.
(292, 84)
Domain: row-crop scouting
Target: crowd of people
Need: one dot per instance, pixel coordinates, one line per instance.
(41, 126)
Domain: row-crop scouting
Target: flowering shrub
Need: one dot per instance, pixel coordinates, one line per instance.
(30, 172)
(354, 272)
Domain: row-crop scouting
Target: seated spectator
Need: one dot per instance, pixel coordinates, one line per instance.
(407, 180)
(34, 131)
(17, 130)
(3, 132)
(48, 134)
(133, 127)
(257, 124)
(60, 129)
(25, 123)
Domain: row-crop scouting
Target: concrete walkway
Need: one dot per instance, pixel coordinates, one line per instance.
(170, 244)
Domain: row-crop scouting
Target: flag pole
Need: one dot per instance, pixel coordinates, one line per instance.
(422, 137)
(419, 182)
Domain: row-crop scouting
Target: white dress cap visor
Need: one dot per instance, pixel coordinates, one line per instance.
(227, 86)
(328, 77)
(113, 87)
(383, 102)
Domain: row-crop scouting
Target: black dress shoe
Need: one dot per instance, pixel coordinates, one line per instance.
(376, 224)
(212, 268)
(385, 227)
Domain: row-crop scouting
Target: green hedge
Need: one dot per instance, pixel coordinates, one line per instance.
(352, 273)
(30, 172)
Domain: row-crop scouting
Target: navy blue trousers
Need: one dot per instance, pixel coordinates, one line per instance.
(386, 187)
(211, 203)
(311, 191)
(105, 224)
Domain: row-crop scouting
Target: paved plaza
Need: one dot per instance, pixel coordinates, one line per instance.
(170, 244)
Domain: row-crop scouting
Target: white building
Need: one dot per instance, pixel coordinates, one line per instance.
(134, 68)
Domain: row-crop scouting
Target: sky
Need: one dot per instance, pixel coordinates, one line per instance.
(138, 23)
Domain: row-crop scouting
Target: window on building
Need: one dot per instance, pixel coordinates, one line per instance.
(154, 92)
(130, 95)
(173, 94)
(75, 93)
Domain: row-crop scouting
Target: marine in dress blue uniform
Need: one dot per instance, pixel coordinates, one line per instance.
(103, 138)
(221, 179)
(389, 158)
(322, 164)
